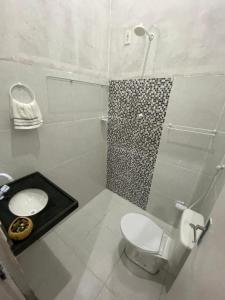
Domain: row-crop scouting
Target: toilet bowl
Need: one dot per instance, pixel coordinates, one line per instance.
(147, 244)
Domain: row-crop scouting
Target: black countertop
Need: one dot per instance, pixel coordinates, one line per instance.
(60, 204)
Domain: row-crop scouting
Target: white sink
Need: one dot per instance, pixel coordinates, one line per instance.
(28, 202)
(186, 231)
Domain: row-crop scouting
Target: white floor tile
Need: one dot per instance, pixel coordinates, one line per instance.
(75, 259)
(110, 208)
(84, 287)
(58, 272)
(100, 250)
(77, 227)
(105, 294)
(127, 285)
(103, 203)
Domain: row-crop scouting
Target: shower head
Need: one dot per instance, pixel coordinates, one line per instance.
(140, 30)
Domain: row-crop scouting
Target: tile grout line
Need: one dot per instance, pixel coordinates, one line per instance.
(85, 263)
(105, 282)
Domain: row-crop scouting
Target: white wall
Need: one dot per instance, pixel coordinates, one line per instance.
(191, 35)
(202, 276)
(216, 157)
(71, 35)
(63, 39)
(70, 148)
(186, 162)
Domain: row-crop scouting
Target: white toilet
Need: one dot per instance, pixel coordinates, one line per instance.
(147, 245)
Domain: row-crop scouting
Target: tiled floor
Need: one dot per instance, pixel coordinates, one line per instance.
(82, 258)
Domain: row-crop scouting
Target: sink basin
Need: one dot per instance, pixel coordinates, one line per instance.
(186, 232)
(28, 202)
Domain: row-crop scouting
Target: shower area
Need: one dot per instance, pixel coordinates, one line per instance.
(166, 143)
(166, 113)
(137, 109)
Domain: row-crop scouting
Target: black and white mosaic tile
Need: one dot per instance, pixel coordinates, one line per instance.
(137, 110)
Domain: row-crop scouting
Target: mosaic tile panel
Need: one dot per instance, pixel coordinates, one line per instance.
(133, 140)
(121, 132)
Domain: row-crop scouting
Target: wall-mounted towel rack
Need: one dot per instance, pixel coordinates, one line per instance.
(194, 130)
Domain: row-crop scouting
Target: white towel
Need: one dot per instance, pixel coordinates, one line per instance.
(25, 115)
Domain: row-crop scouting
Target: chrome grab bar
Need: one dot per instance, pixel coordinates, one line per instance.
(182, 128)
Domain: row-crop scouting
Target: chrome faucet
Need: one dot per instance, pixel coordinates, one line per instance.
(195, 228)
(4, 189)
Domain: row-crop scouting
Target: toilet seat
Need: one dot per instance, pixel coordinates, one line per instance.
(142, 232)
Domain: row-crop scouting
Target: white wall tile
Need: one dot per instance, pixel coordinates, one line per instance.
(196, 101)
(216, 154)
(206, 206)
(163, 208)
(221, 123)
(59, 96)
(174, 182)
(87, 98)
(69, 133)
(184, 149)
(83, 177)
(75, 100)
(202, 184)
(190, 159)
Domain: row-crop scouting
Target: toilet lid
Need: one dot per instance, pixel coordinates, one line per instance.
(142, 232)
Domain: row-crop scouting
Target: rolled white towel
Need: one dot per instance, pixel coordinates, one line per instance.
(25, 115)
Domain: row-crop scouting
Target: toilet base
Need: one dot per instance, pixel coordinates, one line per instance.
(149, 262)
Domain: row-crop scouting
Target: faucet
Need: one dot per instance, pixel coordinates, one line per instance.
(4, 189)
(195, 228)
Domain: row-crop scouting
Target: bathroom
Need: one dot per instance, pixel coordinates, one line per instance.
(129, 147)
